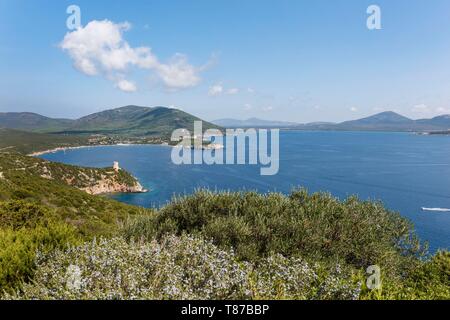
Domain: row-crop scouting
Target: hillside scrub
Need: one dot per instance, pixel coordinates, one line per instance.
(314, 226)
(91, 215)
(429, 280)
(183, 267)
(24, 229)
(151, 257)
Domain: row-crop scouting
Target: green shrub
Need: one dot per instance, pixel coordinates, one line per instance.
(18, 214)
(18, 249)
(24, 228)
(177, 268)
(428, 281)
(317, 227)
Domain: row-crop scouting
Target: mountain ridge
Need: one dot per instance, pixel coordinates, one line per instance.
(129, 120)
(384, 121)
(132, 120)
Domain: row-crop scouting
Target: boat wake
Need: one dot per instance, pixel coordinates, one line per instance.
(436, 209)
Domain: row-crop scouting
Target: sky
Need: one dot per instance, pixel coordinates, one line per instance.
(294, 60)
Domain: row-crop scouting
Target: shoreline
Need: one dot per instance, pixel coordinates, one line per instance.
(57, 149)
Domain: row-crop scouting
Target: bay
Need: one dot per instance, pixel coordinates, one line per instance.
(405, 171)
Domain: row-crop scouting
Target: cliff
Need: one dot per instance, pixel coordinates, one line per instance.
(90, 180)
(110, 184)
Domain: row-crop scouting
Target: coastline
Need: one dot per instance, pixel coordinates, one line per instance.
(102, 187)
(54, 150)
(57, 149)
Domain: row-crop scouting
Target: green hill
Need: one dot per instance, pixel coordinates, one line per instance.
(135, 121)
(125, 121)
(42, 207)
(28, 142)
(31, 122)
(59, 186)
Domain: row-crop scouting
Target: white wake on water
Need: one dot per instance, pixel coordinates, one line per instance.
(436, 209)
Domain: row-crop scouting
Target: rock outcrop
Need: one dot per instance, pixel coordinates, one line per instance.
(108, 185)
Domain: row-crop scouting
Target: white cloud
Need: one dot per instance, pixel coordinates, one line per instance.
(442, 110)
(215, 90)
(178, 73)
(353, 109)
(126, 86)
(219, 89)
(100, 49)
(233, 91)
(267, 109)
(421, 109)
(248, 106)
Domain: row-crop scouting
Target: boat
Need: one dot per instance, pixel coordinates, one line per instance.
(436, 209)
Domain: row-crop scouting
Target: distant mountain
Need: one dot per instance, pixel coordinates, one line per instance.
(31, 122)
(384, 121)
(129, 120)
(253, 122)
(161, 121)
(391, 121)
(440, 121)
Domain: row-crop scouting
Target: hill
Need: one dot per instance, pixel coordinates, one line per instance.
(384, 121)
(439, 121)
(27, 142)
(31, 122)
(131, 121)
(43, 206)
(63, 188)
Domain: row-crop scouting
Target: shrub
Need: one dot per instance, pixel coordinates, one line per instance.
(428, 281)
(18, 249)
(18, 214)
(317, 226)
(183, 267)
(25, 228)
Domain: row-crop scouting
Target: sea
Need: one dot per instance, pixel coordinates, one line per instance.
(406, 171)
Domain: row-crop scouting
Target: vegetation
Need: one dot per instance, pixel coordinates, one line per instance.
(177, 268)
(316, 226)
(27, 142)
(50, 185)
(129, 121)
(81, 178)
(40, 210)
(24, 142)
(24, 228)
(232, 245)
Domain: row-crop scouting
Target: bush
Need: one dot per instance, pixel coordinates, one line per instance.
(25, 228)
(18, 214)
(318, 227)
(177, 268)
(428, 281)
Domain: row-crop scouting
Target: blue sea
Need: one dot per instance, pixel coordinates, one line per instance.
(405, 171)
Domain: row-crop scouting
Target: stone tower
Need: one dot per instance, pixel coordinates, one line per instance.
(116, 166)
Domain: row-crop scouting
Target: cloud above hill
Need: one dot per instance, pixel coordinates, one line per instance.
(99, 48)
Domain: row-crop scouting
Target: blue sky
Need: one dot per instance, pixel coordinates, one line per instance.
(285, 60)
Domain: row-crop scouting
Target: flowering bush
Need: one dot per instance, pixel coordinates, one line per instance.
(318, 227)
(183, 267)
